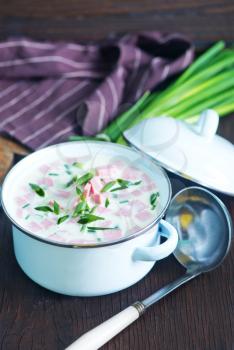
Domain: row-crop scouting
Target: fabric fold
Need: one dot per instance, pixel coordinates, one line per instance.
(49, 91)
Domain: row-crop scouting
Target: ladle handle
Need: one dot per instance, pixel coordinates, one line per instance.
(107, 330)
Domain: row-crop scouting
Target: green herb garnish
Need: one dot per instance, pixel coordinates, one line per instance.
(44, 208)
(101, 228)
(124, 184)
(37, 189)
(79, 209)
(85, 219)
(153, 200)
(85, 178)
(83, 227)
(78, 165)
(93, 209)
(27, 217)
(108, 186)
(122, 202)
(72, 181)
(25, 205)
(78, 191)
(62, 219)
(107, 202)
(56, 208)
(53, 174)
(67, 168)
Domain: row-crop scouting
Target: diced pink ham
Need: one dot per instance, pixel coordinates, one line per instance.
(57, 238)
(97, 198)
(44, 169)
(19, 213)
(63, 193)
(124, 211)
(87, 190)
(144, 215)
(134, 229)
(136, 193)
(34, 226)
(102, 210)
(47, 181)
(112, 234)
(46, 224)
(146, 178)
(21, 200)
(130, 174)
(138, 205)
(96, 185)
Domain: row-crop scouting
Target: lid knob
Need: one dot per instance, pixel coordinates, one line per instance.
(208, 123)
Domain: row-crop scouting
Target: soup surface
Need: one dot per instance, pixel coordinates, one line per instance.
(69, 201)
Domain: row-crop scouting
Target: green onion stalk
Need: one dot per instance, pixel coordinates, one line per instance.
(207, 83)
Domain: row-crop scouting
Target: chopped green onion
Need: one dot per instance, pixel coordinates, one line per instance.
(78, 191)
(44, 208)
(124, 184)
(67, 168)
(85, 178)
(93, 209)
(37, 189)
(72, 181)
(108, 186)
(153, 200)
(62, 219)
(102, 228)
(79, 209)
(27, 217)
(56, 208)
(125, 201)
(78, 165)
(26, 205)
(107, 202)
(85, 219)
(53, 174)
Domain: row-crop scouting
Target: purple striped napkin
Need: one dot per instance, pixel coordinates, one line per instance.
(49, 91)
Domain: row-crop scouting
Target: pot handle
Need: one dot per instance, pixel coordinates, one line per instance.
(159, 251)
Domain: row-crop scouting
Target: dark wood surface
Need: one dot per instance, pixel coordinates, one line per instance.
(204, 21)
(198, 316)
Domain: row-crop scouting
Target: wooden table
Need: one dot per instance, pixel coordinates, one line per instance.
(199, 316)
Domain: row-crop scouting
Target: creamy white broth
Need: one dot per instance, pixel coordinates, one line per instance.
(52, 204)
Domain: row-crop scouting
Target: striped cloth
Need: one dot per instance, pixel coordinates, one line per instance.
(49, 91)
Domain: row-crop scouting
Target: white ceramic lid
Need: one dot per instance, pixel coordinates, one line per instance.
(194, 152)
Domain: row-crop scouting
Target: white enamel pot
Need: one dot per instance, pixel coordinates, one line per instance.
(100, 268)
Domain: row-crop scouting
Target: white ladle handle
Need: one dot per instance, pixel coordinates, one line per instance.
(101, 334)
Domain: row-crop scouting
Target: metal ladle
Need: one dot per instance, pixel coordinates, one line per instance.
(204, 227)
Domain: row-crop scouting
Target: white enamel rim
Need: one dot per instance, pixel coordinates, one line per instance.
(96, 245)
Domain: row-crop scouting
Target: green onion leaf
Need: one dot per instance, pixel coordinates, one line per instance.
(56, 208)
(78, 165)
(62, 219)
(72, 181)
(44, 208)
(107, 202)
(26, 205)
(101, 228)
(67, 168)
(125, 201)
(37, 189)
(53, 174)
(85, 178)
(85, 219)
(108, 186)
(78, 191)
(79, 209)
(93, 209)
(153, 199)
